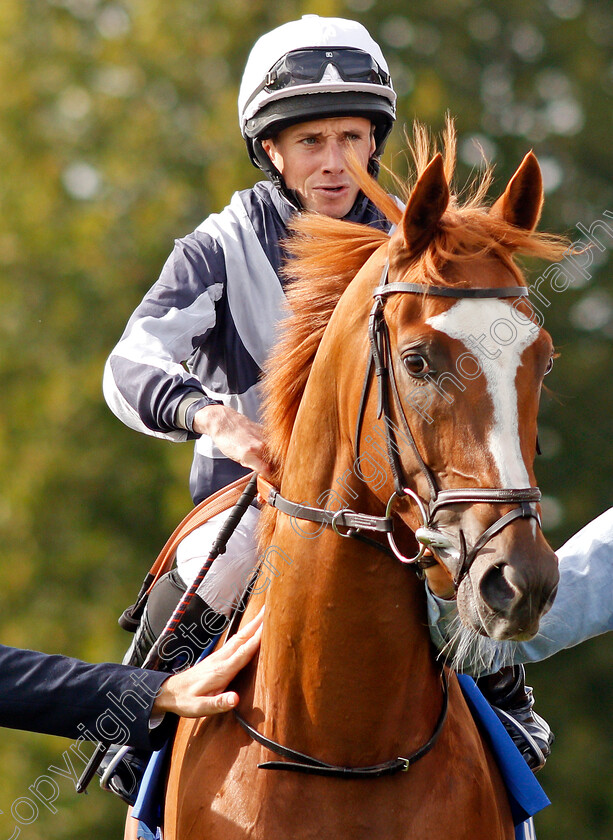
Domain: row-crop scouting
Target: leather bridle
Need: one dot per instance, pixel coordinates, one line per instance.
(380, 360)
(427, 535)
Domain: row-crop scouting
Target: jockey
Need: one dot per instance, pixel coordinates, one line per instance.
(310, 87)
(188, 364)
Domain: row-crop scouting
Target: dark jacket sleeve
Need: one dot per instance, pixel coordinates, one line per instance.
(57, 695)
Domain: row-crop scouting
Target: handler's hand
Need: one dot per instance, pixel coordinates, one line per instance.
(200, 690)
(238, 437)
(440, 582)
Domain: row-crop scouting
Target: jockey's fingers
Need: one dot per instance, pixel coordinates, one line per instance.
(257, 464)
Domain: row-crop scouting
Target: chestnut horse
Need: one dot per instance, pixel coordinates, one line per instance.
(346, 673)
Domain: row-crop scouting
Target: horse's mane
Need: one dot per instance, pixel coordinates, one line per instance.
(327, 253)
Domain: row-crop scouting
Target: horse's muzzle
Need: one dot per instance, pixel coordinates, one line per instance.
(506, 600)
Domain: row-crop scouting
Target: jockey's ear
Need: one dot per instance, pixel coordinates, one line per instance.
(522, 201)
(427, 203)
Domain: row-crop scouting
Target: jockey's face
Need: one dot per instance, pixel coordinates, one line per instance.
(311, 158)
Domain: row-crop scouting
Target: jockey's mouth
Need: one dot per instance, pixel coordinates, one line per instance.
(332, 188)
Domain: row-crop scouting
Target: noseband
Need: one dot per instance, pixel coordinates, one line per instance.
(380, 359)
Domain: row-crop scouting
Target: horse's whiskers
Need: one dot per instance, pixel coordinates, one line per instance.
(470, 652)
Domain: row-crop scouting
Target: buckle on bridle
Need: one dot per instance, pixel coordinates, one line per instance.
(334, 524)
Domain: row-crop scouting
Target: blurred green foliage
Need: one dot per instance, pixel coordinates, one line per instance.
(118, 132)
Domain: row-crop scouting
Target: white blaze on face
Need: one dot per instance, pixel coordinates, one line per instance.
(497, 340)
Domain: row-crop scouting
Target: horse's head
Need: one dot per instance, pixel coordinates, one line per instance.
(466, 358)
(460, 357)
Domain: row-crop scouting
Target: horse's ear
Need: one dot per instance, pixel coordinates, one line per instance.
(427, 203)
(522, 201)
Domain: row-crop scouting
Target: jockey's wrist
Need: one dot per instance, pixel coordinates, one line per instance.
(208, 419)
(189, 407)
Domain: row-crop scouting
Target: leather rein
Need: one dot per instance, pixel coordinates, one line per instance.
(302, 763)
(380, 360)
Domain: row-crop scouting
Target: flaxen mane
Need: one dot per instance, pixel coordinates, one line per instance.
(327, 253)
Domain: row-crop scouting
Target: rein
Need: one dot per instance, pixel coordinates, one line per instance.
(301, 763)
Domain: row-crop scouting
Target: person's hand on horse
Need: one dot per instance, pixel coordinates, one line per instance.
(200, 690)
(439, 582)
(238, 437)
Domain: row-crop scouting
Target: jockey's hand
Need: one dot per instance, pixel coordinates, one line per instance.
(200, 690)
(238, 437)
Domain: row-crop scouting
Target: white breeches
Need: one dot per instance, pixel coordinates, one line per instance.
(230, 573)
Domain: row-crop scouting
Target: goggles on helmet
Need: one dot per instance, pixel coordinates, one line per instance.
(302, 66)
(308, 66)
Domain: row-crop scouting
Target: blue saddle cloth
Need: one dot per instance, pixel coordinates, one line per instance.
(526, 796)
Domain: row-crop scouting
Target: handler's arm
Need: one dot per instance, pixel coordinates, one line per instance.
(57, 695)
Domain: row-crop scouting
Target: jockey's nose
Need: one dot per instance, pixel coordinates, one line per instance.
(334, 157)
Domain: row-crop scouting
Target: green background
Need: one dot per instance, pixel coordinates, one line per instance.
(118, 133)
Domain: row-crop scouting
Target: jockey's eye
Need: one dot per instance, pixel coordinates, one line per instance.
(416, 365)
(549, 366)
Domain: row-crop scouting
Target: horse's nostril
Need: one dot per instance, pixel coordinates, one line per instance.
(496, 588)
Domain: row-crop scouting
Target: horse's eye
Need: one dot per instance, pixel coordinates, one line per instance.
(416, 365)
(549, 366)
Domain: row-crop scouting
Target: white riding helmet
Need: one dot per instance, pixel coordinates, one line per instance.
(310, 69)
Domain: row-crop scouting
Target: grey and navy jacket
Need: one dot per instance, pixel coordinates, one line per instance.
(202, 333)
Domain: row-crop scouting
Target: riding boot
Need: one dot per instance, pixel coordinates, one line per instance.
(123, 767)
(513, 702)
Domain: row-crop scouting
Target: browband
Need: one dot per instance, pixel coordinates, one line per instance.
(450, 291)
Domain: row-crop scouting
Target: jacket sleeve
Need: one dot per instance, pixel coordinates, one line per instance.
(145, 380)
(583, 606)
(57, 695)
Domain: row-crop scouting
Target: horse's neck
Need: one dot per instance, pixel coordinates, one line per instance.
(347, 655)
